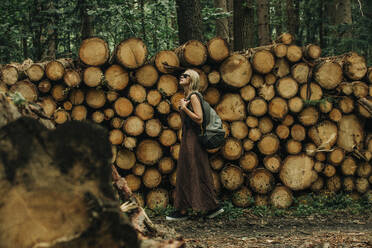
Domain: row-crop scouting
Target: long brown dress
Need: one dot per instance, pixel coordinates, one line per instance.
(194, 184)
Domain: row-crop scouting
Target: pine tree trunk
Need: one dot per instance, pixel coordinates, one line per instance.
(263, 22)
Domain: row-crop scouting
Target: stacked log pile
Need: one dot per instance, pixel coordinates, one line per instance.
(295, 121)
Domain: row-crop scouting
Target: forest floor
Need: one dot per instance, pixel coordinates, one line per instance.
(264, 227)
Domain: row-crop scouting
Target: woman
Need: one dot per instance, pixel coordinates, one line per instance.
(194, 184)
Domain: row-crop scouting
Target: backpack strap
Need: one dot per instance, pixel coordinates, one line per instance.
(203, 106)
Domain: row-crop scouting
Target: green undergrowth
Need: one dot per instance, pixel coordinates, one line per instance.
(302, 206)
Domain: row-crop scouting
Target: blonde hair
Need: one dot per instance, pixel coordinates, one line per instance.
(194, 81)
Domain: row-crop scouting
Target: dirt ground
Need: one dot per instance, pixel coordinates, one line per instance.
(334, 230)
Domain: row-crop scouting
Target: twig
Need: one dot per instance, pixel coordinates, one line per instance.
(360, 7)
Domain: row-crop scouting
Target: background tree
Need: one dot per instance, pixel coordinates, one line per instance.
(263, 22)
(243, 24)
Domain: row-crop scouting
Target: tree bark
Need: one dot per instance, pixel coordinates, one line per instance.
(189, 20)
(222, 24)
(243, 24)
(263, 22)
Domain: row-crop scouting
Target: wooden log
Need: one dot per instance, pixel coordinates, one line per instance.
(174, 121)
(175, 99)
(297, 172)
(117, 122)
(282, 131)
(94, 51)
(109, 113)
(129, 142)
(293, 146)
(166, 165)
(216, 162)
(335, 115)
(269, 144)
(98, 117)
(231, 108)
(92, 76)
(261, 200)
(61, 116)
(312, 51)
(214, 77)
(163, 107)
(325, 106)
(280, 50)
(67, 105)
(153, 127)
(364, 170)
(149, 152)
(333, 184)
(232, 149)
(151, 178)
(36, 72)
(175, 151)
(261, 181)
(168, 137)
(267, 92)
(272, 163)
(281, 197)
(79, 113)
(192, 53)
(48, 105)
(346, 88)
(320, 156)
(153, 97)
(231, 177)
(298, 132)
(116, 136)
(317, 185)
(295, 104)
(72, 78)
(361, 185)
(294, 53)
(329, 170)
(236, 71)
(12, 73)
(145, 111)
(218, 49)
(328, 74)
(278, 108)
(242, 197)
(348, 184)
(55, 69)
(281, 68)
(131, 53)
(360, 89)
(77, 97)
(314, 93)
(137, 93)
(309, 116)
(285, 38)
(212, 96)
(133, 126)
(254, 134)
(203, 80)
(157, 199)
(354, 66)
(263, 61)
(167, 85)
(125, 159)
(59, 92)
(95, 98)
(336, 156)
(248, 161)
(349, 166)
(123, 107)
(364, 107)
(346, 105)
(257, 107)
(27, 89)
(270, 79)
(257, 80)
(265, 125)
(288, 120)
(248, 145)
(239, 129)
(116, 77)
(350, 134)
(134, 182)
(251, 121)
(287, 87)
(166, 60)
(146, 75)
(324, 135)
(44, 86)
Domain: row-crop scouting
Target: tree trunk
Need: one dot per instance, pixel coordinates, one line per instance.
(87, 29)
(243, 24)
(222, 24)
(343, 22)
(263, 22)
(189, 20)
(293, 17)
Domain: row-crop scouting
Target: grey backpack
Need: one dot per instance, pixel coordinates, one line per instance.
(212, 134)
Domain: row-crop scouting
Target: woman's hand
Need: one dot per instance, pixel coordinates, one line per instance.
(183, 103)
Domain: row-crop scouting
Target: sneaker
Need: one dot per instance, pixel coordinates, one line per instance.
(213, 213)
(176, 215)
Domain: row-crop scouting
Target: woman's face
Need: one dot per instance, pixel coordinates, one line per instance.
(185, 79)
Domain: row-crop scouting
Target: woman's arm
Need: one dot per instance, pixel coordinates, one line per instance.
(197, 115)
